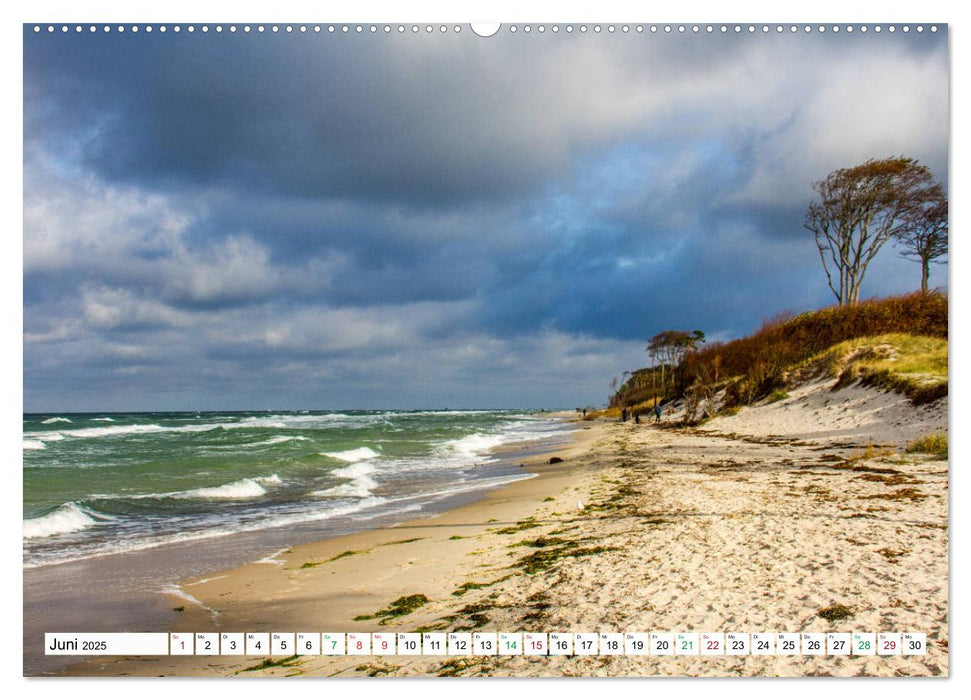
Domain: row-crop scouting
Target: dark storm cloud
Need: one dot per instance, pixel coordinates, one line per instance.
(390, 220)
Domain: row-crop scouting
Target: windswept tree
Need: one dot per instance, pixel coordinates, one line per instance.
(859, 209)
(923, 236)
(668, 348)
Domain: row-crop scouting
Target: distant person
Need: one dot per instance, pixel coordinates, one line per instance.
(584, 413)
(657, 413)
(623, 415)
(637, 417)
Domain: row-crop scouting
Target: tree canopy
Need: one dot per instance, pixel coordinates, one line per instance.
(923, 235)
(857, 210)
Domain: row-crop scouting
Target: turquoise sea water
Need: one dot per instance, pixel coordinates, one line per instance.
(96, 484)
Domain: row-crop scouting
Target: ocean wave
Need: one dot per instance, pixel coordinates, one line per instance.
(356, 508)
(252, 422)
(34, 445)
(360, 485)
(244, 488)
(276, 440)
(241, 489)
(68, 517)
(106, 431)
(56, 419)
(474, 445)
(355, 455)
(106, 420)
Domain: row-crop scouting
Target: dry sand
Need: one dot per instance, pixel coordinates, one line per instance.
(753, 522)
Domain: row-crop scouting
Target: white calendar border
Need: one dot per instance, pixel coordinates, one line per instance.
(381, 10)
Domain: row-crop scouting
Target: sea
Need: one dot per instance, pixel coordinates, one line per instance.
(120, 508)
(107, 483)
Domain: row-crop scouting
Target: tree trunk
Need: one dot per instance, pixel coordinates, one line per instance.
(925, 273)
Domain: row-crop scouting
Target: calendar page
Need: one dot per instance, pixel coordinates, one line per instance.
(519, 349)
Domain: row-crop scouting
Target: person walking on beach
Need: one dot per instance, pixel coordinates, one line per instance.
(657, 412)
(623, 415)
(637, 417)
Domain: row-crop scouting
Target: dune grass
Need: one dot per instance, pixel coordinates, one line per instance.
(913, 365)
(934, 444)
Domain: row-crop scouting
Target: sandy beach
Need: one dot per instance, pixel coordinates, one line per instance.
(801, 515)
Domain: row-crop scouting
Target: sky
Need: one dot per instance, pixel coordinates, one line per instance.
(316, 221)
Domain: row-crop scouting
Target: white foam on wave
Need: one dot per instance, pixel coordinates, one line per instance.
(244, 488)
(361, 484)
(275, 422)
(56, 419)
(34, 445)
(68, 517)
(276, 440)
(106, 431)
(125, 545)
(241, 489)
(106, 420)
(355, 455)
(474, 445)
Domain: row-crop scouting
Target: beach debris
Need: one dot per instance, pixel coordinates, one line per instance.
(579, 505)
(835, 612)
(402, 606)
(555, 460)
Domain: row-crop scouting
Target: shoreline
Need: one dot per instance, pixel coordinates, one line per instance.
(390, 551)
(140, 590)
(784, 517)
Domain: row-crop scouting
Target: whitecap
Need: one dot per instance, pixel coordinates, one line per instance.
(56, 419)
(244, 488)
(355, 455)
(276, 440)
(474, 445)
(360, 485)
(68, 517)
(34, 445)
